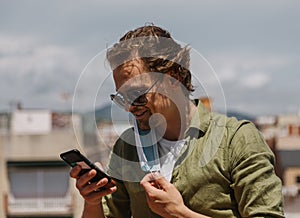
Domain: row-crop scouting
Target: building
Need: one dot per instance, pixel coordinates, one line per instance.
(37, 180)
(283, 135)
(3, 186)
(110, 122)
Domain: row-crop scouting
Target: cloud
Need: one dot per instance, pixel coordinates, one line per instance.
(255, 80)
(24, 55)
(252, 79)
(36, 73)
(256, 50)
(251, 69)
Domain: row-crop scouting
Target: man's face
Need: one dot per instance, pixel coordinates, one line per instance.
(132, 77)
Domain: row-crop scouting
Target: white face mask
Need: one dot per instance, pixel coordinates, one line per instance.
(148, 151)
(146, 145)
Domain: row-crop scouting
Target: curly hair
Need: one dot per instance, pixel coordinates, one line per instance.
(157, 49)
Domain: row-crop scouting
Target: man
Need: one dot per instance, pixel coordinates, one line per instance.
(179, 160)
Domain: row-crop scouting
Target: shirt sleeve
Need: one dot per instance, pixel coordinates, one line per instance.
(256, 187)
(117, 204)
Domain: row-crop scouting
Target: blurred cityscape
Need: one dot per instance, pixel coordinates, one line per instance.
(35, 182)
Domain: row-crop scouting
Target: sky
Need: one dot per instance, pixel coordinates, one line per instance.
(50, 51)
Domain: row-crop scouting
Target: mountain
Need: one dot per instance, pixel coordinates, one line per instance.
(106, 113)
(240, 115)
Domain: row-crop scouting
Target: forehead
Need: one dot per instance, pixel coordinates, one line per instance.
(130, 73)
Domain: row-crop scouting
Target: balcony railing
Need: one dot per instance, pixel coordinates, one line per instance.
(39, 205)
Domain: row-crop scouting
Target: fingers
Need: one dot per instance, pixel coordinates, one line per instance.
(154, 185)
(95, 197)
(154, 180)
(162, 197)
(74, 173)
(95, 187)
(83, 182)
(151, 177)
(161, 181)
(86, 188)
(93, 192)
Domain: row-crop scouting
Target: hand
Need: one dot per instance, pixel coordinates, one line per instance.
(163, 198)
(89, 191)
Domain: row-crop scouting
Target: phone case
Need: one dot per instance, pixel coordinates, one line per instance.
(74, 157)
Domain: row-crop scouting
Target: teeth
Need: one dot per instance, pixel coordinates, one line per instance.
(139, 114)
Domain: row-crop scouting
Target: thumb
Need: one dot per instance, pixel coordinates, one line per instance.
(160, 181)
(154, 181)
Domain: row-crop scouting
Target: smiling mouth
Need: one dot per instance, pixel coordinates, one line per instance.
(139, 114)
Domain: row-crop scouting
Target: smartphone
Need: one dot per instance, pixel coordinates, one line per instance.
(74, 157)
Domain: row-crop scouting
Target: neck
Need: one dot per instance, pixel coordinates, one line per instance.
(176, 127)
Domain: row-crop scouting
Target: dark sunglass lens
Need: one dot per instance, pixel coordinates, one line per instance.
(141, 100)
(136, 97)
(133, 97)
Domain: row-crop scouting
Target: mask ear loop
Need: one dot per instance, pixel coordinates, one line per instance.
(145, 166)
(143, 143)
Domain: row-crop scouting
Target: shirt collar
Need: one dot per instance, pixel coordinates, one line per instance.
(199, 123)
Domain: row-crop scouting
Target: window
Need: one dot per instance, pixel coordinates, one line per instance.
(298, 179)
(36, 180)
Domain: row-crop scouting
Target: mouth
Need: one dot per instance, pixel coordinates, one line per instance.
(139, 114)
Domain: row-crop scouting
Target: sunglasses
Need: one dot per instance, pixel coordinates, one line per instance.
(133, 97)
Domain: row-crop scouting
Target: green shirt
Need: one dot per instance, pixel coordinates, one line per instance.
(225, 170)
